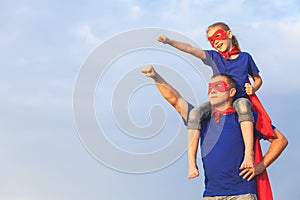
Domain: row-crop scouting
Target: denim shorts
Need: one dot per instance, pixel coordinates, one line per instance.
(233, 197)
(242, 106)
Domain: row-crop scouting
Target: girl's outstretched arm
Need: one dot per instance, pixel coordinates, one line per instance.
(183, 47)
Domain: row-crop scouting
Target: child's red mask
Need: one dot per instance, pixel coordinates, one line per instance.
(220, 86)
(220, 34)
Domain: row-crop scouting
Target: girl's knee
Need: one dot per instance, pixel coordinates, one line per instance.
(194, 113)
(201, 111)
(242, 106)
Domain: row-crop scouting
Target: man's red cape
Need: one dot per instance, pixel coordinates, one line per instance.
(264, 126)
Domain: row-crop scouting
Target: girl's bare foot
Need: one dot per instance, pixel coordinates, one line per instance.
(247, 162)
(193, 172)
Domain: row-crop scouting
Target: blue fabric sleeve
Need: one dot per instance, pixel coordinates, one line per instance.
(190, 107)
(209, 59)
(252, 69)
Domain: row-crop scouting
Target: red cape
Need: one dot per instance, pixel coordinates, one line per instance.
(264, 126)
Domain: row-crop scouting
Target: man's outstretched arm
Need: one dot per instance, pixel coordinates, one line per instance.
(182, 107)
(167, 91)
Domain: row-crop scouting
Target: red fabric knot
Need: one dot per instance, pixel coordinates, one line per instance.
(227, 54)
(217, 114)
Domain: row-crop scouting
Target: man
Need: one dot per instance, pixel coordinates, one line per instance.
(221, 141)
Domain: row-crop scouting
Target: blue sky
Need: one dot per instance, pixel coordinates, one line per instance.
(43, 47)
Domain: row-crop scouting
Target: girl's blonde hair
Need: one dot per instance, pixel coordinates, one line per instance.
(225, 27)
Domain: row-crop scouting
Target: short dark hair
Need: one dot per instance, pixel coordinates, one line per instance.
(231, 82)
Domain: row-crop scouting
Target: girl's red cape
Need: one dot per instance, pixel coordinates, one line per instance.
(264, 126)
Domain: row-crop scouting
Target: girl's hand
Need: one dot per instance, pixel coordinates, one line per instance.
(249, 89)
(162, 38)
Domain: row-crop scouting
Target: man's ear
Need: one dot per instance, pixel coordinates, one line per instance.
(232, 92)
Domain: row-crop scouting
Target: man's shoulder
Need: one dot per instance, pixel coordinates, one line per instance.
(189, 108)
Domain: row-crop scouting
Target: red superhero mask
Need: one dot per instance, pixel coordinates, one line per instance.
(220, 34)
(220, 86)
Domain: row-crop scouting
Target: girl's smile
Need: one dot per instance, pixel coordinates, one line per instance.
(219, 39)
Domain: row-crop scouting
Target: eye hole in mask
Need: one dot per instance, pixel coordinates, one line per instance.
(220, 86)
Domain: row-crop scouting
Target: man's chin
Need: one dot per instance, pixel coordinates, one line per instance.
(217, 104)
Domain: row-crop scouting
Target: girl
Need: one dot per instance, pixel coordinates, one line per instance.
(228, 60)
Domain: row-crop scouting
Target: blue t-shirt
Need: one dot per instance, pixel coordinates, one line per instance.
(222, 150)
(238, 68)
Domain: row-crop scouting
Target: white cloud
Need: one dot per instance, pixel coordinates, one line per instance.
(285, 3)
(273, 44)
(136, 11)
(86, 33)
